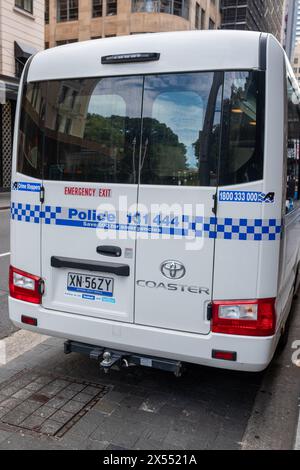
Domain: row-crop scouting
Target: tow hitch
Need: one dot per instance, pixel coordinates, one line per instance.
(109, 358)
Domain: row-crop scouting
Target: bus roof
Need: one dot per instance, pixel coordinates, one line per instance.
(179, 52)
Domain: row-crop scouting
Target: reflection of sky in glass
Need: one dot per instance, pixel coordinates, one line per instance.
(107, 105)
(235, 80)
(182, 111)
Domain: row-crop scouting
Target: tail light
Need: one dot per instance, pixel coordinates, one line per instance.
(245, 318)
(25, 286)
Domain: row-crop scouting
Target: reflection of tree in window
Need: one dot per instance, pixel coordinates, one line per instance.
(95, 139)
(178, 142)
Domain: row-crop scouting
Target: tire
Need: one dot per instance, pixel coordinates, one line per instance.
(284, 339)
(296, 291)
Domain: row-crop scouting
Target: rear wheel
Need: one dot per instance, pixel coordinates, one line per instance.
(296, 291)
(286, 329)
(284, 335)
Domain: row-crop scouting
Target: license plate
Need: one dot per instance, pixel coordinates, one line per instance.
(87, 284)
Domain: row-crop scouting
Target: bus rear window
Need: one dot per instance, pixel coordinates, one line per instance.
(185, 129)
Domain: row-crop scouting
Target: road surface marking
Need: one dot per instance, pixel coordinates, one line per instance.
(18, 343)
(4, 254)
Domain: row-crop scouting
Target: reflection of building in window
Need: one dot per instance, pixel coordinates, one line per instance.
(242, 159)
(293, 148)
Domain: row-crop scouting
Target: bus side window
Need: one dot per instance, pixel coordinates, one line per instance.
(293, 150)
(30, 145)
(243, 128)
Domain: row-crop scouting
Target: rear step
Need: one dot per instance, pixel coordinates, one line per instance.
(109, 358)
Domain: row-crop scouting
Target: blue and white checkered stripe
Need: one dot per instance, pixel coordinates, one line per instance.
(199, 227)
(34, 214)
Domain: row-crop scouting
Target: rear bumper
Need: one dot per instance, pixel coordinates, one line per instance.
(253, 354)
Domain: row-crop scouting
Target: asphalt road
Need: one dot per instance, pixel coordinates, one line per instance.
(6, 327)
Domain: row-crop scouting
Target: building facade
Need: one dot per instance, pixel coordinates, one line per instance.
(289, 26)
(297, 34)
(78, 20)
(253, 15)
(296, 61)
(21, 35)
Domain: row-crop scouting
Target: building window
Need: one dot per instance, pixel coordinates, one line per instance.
(202, 18)
(26, 5)
(46, 45)
(67, 10)
(46, 11)
(112, 7)
(198, 17)
(65, 41)
(212, 24)
(97, 8)
(172, 7)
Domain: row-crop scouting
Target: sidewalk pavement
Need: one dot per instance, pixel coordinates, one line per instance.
(4, 201)
(52, 401)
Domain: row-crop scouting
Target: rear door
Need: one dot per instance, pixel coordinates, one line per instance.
(178, 183)
(91, 146)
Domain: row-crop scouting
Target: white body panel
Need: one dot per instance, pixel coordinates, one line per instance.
(218, 50)
(147, 320)
(79, 242)
(254, 354)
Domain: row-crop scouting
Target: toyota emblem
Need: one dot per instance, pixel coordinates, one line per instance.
(173, 269)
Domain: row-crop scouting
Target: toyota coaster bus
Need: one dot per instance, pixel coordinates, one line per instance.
(155, 199)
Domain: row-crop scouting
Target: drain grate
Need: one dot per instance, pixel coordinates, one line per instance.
(45, 403)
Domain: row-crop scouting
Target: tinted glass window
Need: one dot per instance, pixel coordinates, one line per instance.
(30, 148)
(189, 129)
(181, 129)
(293, 149)
(242, 133)
(92, 130)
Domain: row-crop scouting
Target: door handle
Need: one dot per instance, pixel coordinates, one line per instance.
(114, 251)
(94, 266)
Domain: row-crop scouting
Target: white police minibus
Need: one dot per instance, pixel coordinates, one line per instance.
(155, 198)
